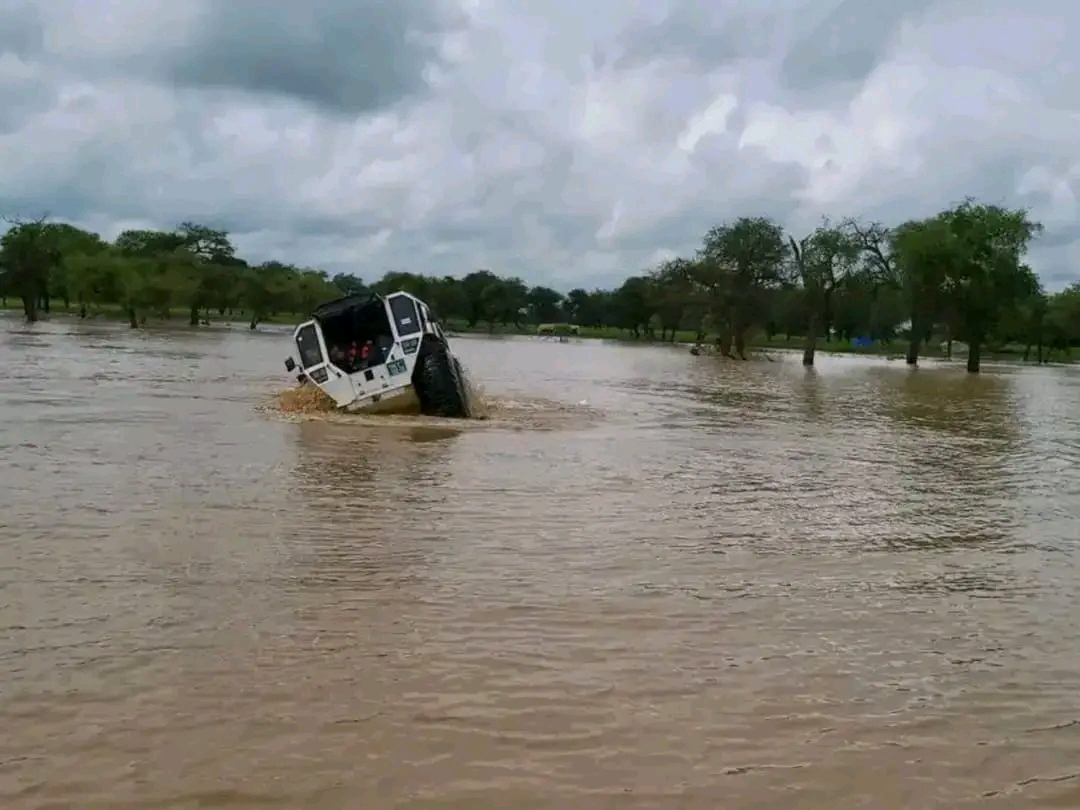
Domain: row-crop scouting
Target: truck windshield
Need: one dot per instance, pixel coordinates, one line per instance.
(307, 344)
(405, 318)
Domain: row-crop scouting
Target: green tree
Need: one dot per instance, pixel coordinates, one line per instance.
(968, 259)
(29, 254)
(924, 249)
(740, 262)
(824, 259)
(545, 304)
(349, 284)
(506, 301)
(671, 291)
(633, 306)
(266, 289)
(478, 297)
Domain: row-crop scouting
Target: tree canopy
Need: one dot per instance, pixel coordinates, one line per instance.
(958, 275)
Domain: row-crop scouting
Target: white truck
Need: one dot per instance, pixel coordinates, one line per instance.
(381, 354)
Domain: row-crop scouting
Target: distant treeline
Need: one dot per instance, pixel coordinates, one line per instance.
(958, 275)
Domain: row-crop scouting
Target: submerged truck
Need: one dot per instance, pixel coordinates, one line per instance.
(381, 354)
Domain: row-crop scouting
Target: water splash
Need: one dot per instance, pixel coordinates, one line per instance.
(305, 402)
(479, 406)
(303, 399)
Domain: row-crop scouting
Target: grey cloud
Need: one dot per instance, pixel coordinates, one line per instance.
(823, 48)
(703, 32)
(21, 97)
(22, 29)
(344, 228)
(349, 56)
(846, 45)
(1061, 237)
(512, 159)
(682, 231)
(23, 91)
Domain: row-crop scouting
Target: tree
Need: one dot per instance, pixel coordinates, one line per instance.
(986, 276)
(924, 249)
(477, 297)
(148, 243)
(739, 262)
(1063, 320)
(824, 260)
(672, 293)
(544, 304)
(588, 308)
(265, 288)
(634, 305)
(29, 254)
(505, 301)
(968, 260)
(348, 284)
(68, 241)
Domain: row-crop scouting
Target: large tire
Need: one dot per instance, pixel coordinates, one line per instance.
(439, 383)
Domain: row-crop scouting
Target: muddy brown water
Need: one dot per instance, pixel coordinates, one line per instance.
(711, 585)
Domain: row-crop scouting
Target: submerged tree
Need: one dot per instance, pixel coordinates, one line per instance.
(969, 261)
(29, 255)
(740, 263)
(824, 259)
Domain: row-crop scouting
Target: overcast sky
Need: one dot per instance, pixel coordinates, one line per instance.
(568, 142)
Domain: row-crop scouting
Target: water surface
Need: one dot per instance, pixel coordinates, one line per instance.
(649, 580)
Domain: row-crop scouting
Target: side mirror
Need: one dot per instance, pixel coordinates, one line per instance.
(290, 364)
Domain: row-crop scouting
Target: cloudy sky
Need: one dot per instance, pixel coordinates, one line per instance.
(568, 142)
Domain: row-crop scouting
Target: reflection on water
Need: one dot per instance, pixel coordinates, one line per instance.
(813, 408)
(954, 403)
(956, 436)
(713, 584)
(360, 501)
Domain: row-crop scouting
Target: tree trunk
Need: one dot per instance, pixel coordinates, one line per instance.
(133, 320)
(254, 321)
(1027, 351)
(740, 344)
(811, 340)
(194, 319)
(723, 343)
(974, 350)
(1039, 350)
(913, 347)
(30, 308)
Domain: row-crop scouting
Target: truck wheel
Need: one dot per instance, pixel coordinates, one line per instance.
(439, 383)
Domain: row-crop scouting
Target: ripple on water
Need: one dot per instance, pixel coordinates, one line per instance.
(714, 584)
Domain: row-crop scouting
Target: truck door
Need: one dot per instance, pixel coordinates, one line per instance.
(312, 350)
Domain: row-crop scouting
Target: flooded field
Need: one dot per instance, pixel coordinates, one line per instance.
(646, 580)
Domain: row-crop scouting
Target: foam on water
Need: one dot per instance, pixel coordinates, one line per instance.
(305, 402)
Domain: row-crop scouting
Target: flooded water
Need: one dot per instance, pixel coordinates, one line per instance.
(649, 580)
